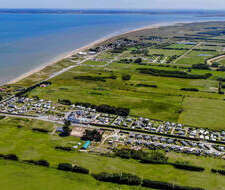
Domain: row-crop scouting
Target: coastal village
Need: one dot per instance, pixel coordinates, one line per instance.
(132, 131)
(126, 96)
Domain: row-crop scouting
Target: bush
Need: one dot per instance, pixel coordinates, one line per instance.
(147, 85)
(79, 169)
(63, 148)
(65, 167)
(188, 167)
(138, 60)
(92, 135)
(65, 102)
(106, 108)
(154, 156)
(11, 157)
(126, 77)
(38, 162)
(221, 68)
(130, 153)
(202, 66)
(190, 89)
(222, 172)
(40, 130)
(167, 186)
(173, 73)
(1, 116)
(122, 178)
(215, 64)
(43, 163)
(29, 89)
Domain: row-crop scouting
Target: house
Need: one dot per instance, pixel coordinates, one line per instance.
(82, 53)
(138, 136)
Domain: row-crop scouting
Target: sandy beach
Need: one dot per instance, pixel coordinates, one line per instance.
(99, 41)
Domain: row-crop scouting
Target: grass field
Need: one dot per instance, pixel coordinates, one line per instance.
(180, 46)
(166, 52)
(21, 176)
(162, 103)
(207, 113)
(222, 62)
(205, 108)
(195, 57)
(32, 145)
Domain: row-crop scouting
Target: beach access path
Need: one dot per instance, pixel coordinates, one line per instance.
(71, 67)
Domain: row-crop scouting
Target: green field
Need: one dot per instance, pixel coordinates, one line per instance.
(222, 62)
(100, 81)
(164, 102)
(32, 145)
(194, 57)
(166, 52)
(208, 113)
(21, 176)
(180, 46)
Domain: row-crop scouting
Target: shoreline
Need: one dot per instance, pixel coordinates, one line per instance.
(88, 46)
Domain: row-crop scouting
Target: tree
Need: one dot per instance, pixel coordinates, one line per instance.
(66, 128)
(221, 68)
(200, 66)
(1, 98)
(65, 167)
(215, 64)
(138, 60)
(92, 135)
(126, 77)
(220, 88)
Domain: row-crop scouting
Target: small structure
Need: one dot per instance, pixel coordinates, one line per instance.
(60, 129)
(82, 53)
(86, 145)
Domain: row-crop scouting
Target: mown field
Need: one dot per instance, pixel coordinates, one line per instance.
(21, 176)
(197, 110)
(33, 145)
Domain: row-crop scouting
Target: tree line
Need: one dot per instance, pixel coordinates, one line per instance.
(104, 108)
(170, 73)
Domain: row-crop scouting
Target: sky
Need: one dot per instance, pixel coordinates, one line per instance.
(121, 4)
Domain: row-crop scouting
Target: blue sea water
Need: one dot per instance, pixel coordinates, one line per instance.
(28, 41)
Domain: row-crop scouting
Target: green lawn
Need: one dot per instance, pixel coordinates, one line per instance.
(21, 176)
(207, 113)
(166, 52)
(32, 145)
(222, 62)
(194, 57)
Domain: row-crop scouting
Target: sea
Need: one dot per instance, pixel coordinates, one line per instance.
(29, 40)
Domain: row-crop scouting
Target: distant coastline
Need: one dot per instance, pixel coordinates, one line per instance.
(113, 11)
(95, 43)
